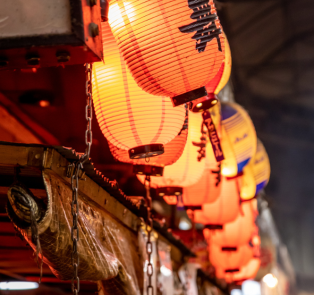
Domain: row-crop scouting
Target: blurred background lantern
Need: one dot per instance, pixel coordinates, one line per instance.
(172, 48)
(216, 84)
(230, 261)
(130, 118)
(238, 139)
(187, 170)
(237, 232)
(206, 190)
(246, 272)
(224, 209)
(256, 174)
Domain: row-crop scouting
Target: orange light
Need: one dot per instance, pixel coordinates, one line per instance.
(230, 260)
(187, 170)
(170, 200)
(157, 40)
(129, 117)
(206, 190)
(44, 103)
(237, 232)
(224, 209)
(246, 272)
(173, 151)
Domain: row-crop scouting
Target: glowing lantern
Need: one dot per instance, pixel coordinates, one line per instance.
(246, 272)
(238, 138)
(224, 209)
(216, 84)
(130, 118)
(173, 151)
(237, 232)
(256, 174)
(173, 48)
(206, 190)
(230, 261)
(187, 170)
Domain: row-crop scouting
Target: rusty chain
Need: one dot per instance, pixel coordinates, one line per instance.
(76, 168)
(149, 245)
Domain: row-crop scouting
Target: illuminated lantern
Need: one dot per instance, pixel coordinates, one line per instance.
(224, 209)
(173, 48)
(238, 139)
(246, 272)
(206, 190)
(237, 232)
(173, 151)
(230, 261)
(256, 174)
(187, 170)
(215, 85)
(130, 118)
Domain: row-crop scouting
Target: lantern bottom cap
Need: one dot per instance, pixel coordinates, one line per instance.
(188, 96)
(146, 151)
(213, 226)
(203, 103)
(169, 191)
(149, 170)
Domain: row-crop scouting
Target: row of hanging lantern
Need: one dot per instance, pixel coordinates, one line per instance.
(203, 155)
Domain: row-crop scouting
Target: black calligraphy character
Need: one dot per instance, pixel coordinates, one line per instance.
(205, 26)
(218, 172)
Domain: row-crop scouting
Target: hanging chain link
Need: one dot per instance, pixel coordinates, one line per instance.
(149, 245)
(77, 167)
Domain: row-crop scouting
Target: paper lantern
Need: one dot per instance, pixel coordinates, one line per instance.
(187, 170)
(230, 261)
(215, 85)
(206, 190)
(224, 209)
(173, 151)
(173, 48)
(256, 174)
(238, 139)
(237, 232)
(130, 118)
(246, 272)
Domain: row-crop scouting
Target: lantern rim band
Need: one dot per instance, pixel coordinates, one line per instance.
(189, 96)
(203, 103)
(146, 151)
(213, 226)
(148, 170)
(169, 191)
(193, 208)
(229, 249)
(232, 270)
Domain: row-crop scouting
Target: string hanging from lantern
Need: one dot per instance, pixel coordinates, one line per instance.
(164, 49)
(130, 118)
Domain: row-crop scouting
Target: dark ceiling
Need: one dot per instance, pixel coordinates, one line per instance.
(272, 45)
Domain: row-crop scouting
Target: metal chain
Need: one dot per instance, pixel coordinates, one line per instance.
(149, 245)
(77, 167)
